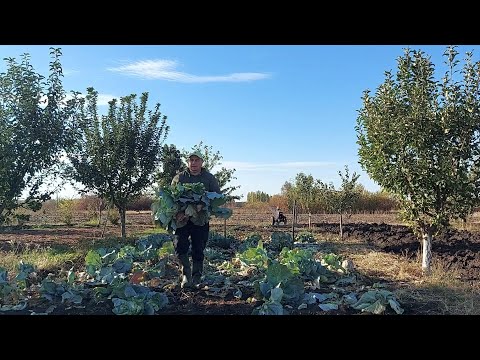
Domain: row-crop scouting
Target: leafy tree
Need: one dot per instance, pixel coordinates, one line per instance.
(258, 196)
(34, 129)
(171, 163)
(116, 154)
(419, 139)
(287, 191)
(307, 192)
(224, 175)
(344, 199)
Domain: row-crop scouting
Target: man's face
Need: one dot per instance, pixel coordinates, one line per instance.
(195, 164)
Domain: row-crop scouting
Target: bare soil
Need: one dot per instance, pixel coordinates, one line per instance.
(455, 249)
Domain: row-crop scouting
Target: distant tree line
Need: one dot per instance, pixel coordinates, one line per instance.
(313, 196)
(258, 196)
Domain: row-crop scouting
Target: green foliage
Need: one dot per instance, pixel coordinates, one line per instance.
(314, 196)
(137, 300)
(256, 256)
(66, 208)
(257, 196)
(64, 289)
(116, 154)
(13, 294)
(212, 254)
(171, 163)
(35, 126)
(192, 199)
(152, 241)
(333, 262)
(418, 138)
(375, 301)
(167, 249)
(273, 305)
(303, 263)
(110, 267)
(93, 261)
(113, 216)
(299, 261)
(307, 191)
(288, 192)
(344, 199)
(224, 176)
(251, 240)
(218, 240)
(280, 275)
(21, 218)
(279, 240)
(280, 285)
(305, 237)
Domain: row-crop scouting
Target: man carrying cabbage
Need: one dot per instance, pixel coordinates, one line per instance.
(196, 229)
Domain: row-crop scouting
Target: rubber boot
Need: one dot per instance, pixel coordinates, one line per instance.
(197, 269)
(186, 272)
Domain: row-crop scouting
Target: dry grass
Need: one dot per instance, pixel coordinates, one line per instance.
(442, 292)
(55, 256)
(439, 293)
(387, 267)
(41, 259)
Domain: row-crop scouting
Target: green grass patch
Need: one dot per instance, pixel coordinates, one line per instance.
(41, 259)
(92, 223)
(156, 230)
(57, 256)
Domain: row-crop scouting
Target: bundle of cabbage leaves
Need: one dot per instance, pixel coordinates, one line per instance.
(199, 205)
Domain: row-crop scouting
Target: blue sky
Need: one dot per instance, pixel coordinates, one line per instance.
(272, 111)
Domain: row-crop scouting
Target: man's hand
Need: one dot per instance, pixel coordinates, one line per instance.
(180, 217)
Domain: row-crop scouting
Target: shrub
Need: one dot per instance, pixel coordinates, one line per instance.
(305, 237)
(66, 208)
(250, 241)
(279, 240)
(113, 216)
(220, 241)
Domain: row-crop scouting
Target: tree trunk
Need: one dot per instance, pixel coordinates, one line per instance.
(99, 214)
(426, 251)
(225, 228)
(293, 221)
(309, 220)
(122, 219)
(341, 227)
(104, 226)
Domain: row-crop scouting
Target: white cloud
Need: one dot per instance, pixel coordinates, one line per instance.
(165, 70)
